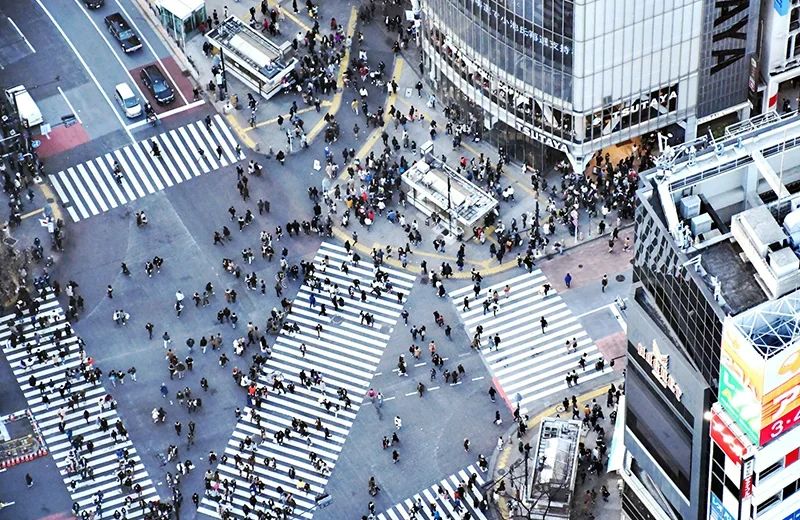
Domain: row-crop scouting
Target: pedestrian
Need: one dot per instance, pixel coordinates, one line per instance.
(164, 391)
(604, 282)
(568, 280)
(149, 328)
(543, 322)
(398, 423)
(492, 393)
(395, 456)
(507, 290)
(110, 292)
(29, 479)
(167, 340)
(466, 445)
(500, 444)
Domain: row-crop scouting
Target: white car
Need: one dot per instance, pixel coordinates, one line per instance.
(127, 100)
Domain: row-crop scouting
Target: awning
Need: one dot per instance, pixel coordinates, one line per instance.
(616, 456)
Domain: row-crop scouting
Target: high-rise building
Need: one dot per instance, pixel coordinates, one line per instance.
(712, 390)
(576, 76)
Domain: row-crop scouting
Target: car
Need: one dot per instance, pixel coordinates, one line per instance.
(157, 84)
(123, 33)
(93, 4)
(127, 100)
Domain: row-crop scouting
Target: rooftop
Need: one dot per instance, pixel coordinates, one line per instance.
(772, 326)
(249, 45)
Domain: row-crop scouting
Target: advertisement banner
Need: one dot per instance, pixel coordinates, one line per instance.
(739, 401)
(782, 6)
(718, 511)
(726, 439)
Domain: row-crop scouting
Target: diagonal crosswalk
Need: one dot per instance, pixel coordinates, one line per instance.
(89, 189)
(346, 353)
(452, 497)
(529, 365)
(41, 360)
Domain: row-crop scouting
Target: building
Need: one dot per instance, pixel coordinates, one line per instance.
(714, 254)
(779, 55)
(572, 77)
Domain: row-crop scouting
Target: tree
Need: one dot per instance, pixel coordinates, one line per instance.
(10, 264)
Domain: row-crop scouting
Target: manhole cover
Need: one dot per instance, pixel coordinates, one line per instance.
(502, 471)
(11, 242)
(620, 278)
(337, 320)
(580, 266)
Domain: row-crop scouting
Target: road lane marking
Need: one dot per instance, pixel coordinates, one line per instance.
(147, 43)
(166, 114)
(22, 35)
(88, 70)
(74, 112)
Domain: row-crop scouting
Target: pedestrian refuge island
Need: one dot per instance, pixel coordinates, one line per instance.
(445, 195)
(549, 492)
(251, 57)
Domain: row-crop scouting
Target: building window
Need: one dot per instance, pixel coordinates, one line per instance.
(794, 21)
(771, 501)
(770, 470)
(789, 490)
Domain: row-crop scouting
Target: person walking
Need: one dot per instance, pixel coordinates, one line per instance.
(110, 292)
(398, 423)
(466, 445)
(604, 282)
(568, 280)
(149, 327)
(543, 322)
(492, 393)
(28, 480)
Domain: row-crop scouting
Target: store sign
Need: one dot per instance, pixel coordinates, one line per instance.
(660, 364)
(738, 400)
(782, 6)
(747, 477)
(726, 439)
(728, 45)
(780, 426)
(718, 511)
(540, 136)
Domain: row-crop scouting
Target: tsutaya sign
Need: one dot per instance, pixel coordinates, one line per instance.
(540, 136)
(660, 364)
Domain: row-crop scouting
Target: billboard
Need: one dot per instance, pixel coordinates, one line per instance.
(728, 441)
(761, 393)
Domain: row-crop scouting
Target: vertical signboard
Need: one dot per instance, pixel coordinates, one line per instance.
(717, 511)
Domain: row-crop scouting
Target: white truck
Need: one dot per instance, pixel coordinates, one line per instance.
(26, 107)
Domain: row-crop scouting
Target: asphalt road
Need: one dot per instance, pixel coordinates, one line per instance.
(182, 220)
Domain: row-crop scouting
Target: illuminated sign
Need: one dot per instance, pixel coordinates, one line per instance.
(728, 45)
(762, 395)
(747, 477)
(739, 402)
(726, 439)
(718, 511)
(782, 6)
(660, 365)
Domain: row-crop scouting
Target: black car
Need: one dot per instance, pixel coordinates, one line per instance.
(93, 4)
(123, 33)
(155, 81)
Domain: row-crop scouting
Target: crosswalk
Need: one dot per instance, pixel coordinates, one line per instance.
(346, 354)
(48, 359)
(443, 495)
(89, 189)
(529, 365)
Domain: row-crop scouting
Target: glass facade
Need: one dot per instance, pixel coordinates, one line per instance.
(574, 77)
(688, 315)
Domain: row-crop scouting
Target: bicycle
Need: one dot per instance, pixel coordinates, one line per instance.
(281, 279)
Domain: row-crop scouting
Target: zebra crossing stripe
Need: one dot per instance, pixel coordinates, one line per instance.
(187, 156)
(63, 176)
(103, 459)
(529, 364)
(129, 172)
(347, 354)
(212, 149)
(73, 176)
(108, 167)
(156, 162)
(89, 188)
(204, 165)
(92, 188)
(446, 507)
(145, 170)
(98, 179)
(209, 153)
(168, 161)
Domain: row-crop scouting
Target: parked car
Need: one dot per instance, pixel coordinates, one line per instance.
(93, 4)
(127, 100)
(123, 33)
(158, 85)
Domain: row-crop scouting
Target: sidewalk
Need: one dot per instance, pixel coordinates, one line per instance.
(508, 465)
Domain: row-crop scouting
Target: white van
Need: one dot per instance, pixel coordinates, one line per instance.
(21, 100)
(127, 100)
